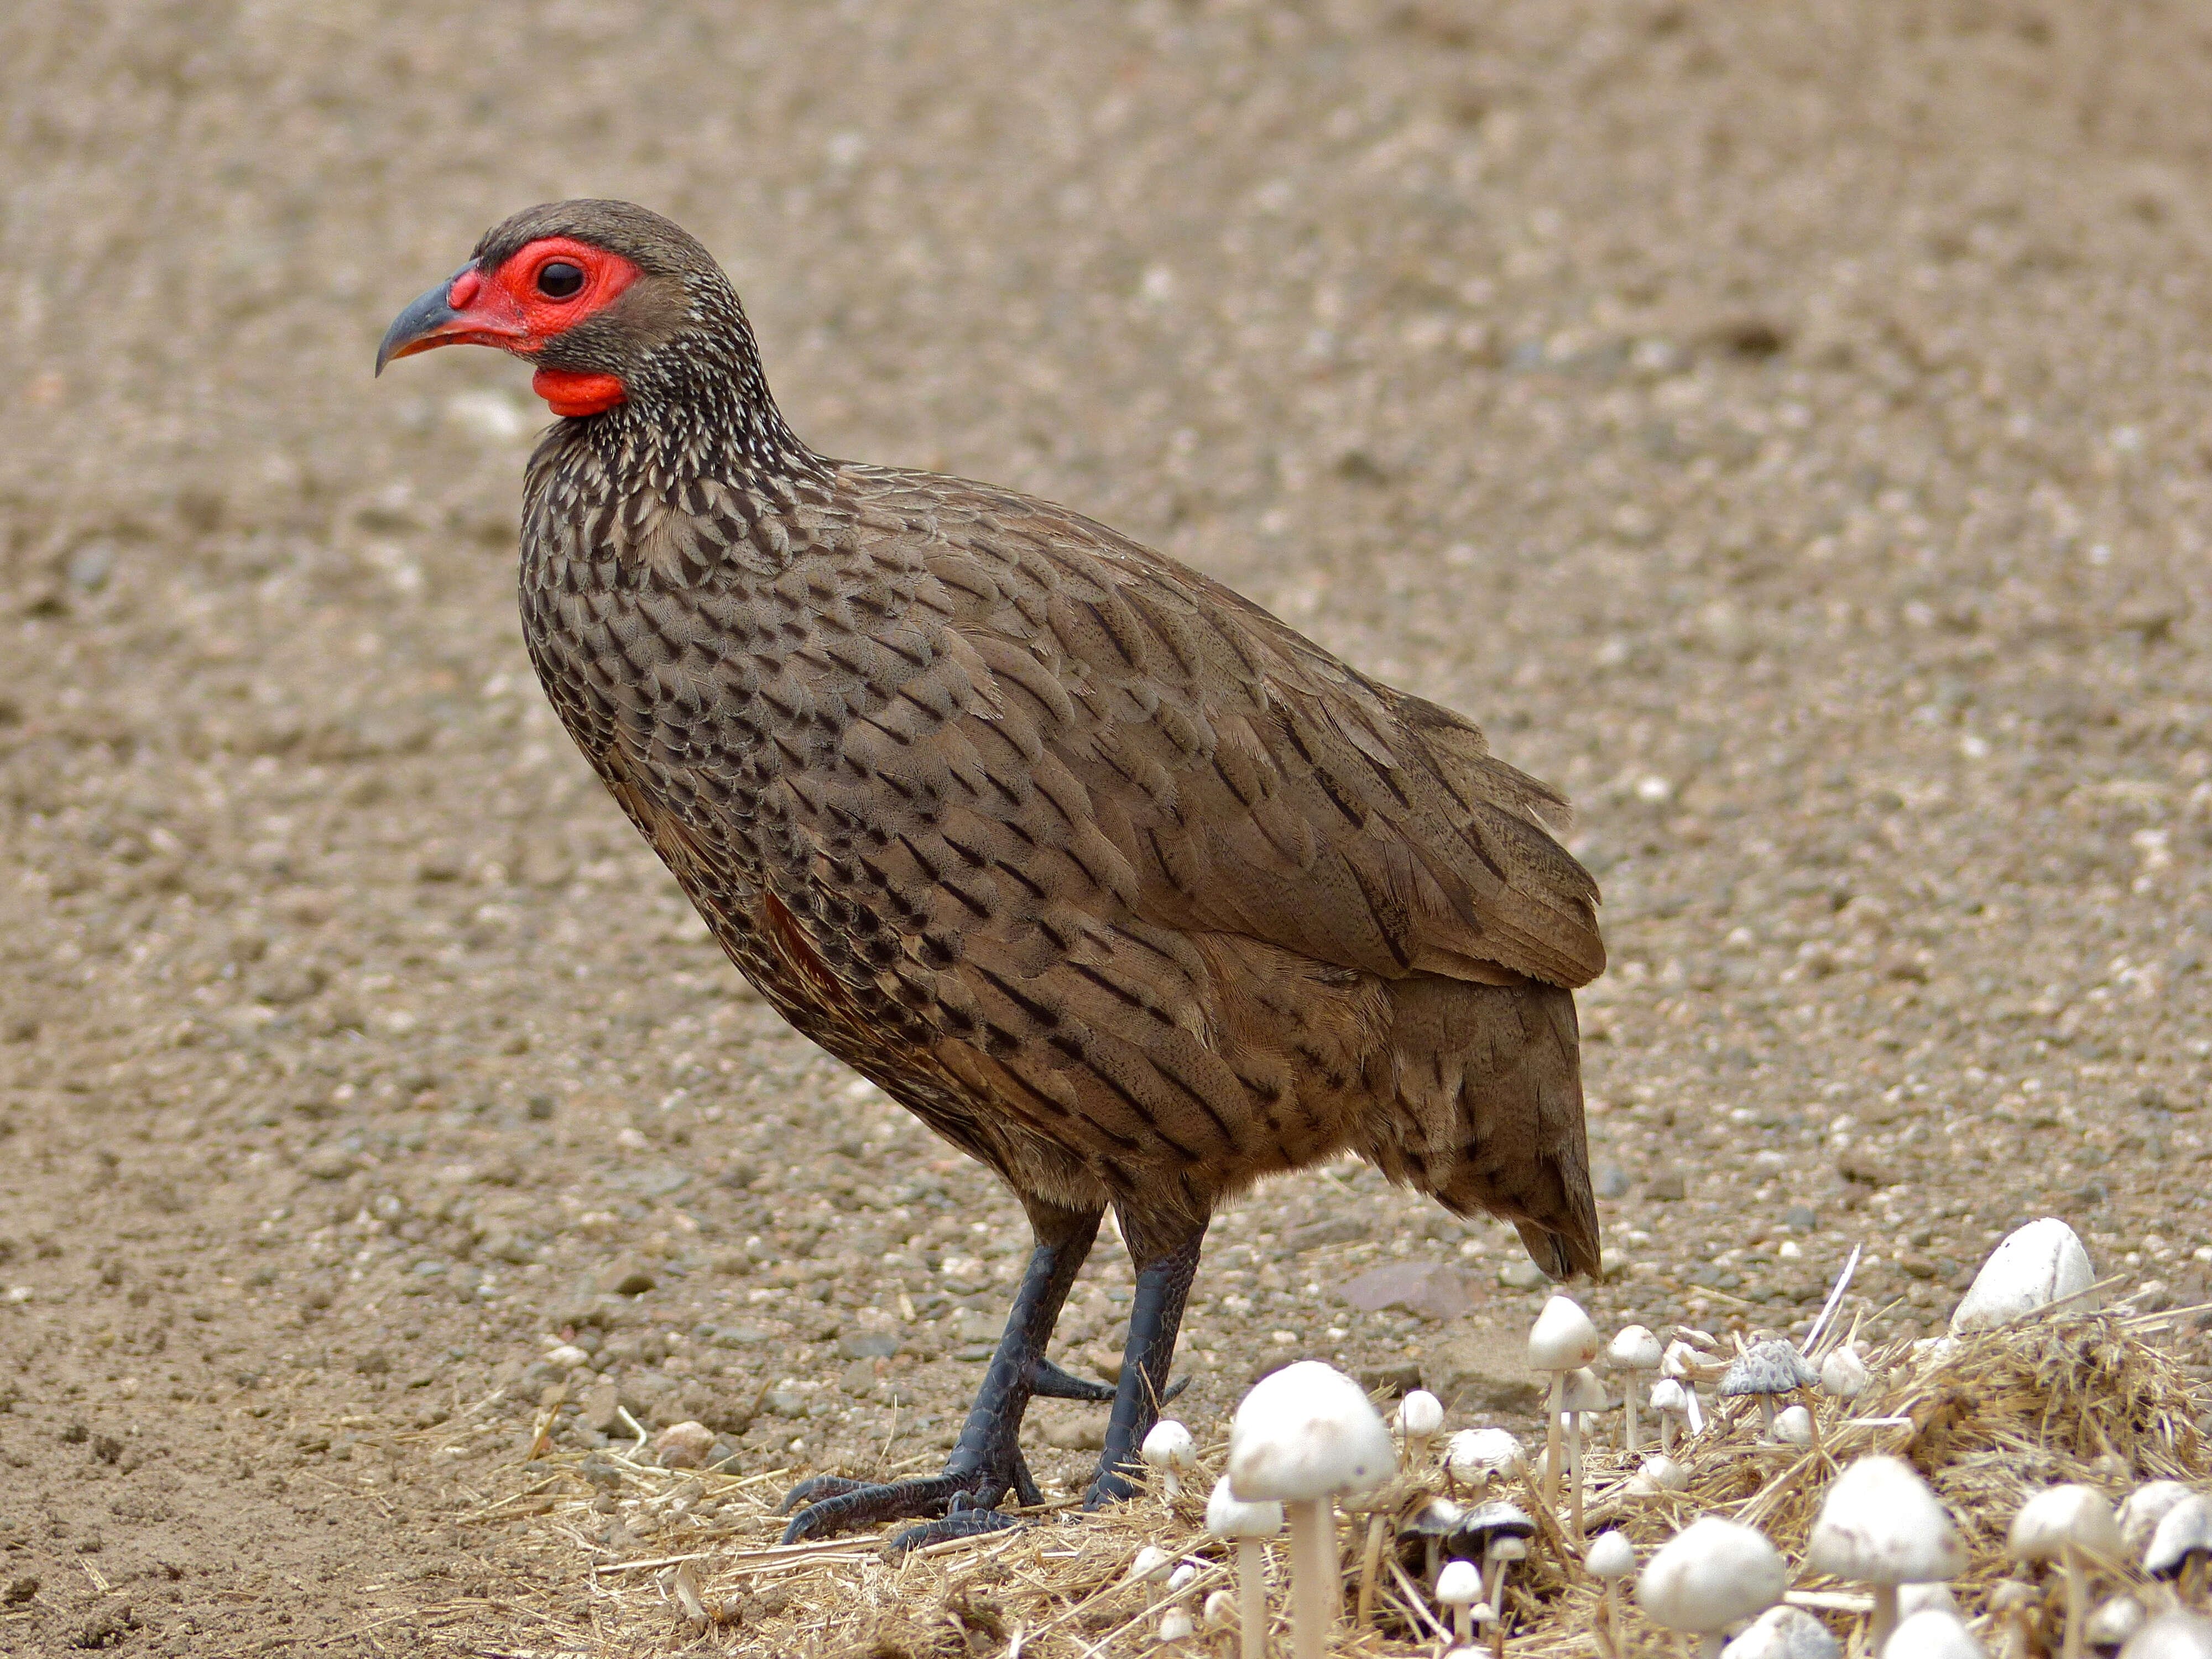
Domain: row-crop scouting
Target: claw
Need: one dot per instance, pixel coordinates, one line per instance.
(816, 1488)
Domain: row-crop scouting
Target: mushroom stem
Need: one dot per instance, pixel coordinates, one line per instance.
(1575, 1472)
(1251, 1598)
(1628, 1405)
(1316, 1594)
(1885, 1616)
(2070, 1564)
(1552, 1441)
(1612, 1619)
(1710, 1644)
(1666, 1434)
(1766, 1416)
(1370, 1561)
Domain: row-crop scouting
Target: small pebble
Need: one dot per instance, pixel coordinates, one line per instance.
(683, 1445)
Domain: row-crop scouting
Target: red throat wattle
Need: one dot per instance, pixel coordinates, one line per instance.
(567, 393)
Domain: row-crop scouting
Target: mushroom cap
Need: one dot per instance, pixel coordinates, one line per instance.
(2142, 1509)
(2036, 1265)
(1485, 1451)
(1307, 1431)
(2172, 1636)
(1659, 1472)
(1584, 1392)
(2185, 1530)
(1460, 1584)
(2059, 1516)
(1487, 1521)
(1931, 1634)
(1669, 1395)
(1228, 1517)
(1168, 1446)
(1151, 1566)
(1844, 1374)
(1769, 1367)
(1793, 1426)
(1920, 1598)
(1420, 1414)
(1880, 1523)
(1710, 1574)
(1437, 1518)
(2114, 1620)
(1783, 1633)
(1634, 1349)
(1562, 1337)
(1610, 1556)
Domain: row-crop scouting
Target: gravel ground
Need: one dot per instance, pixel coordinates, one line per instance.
(1785, 428)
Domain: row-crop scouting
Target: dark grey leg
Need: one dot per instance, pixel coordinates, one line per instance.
(1166, 1256)
(987, 1460)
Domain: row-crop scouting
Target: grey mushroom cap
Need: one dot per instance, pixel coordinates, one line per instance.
(2182, 1531)
(1769, 1367)
(1437, 1518)
(1931, 1634)
(1493, 1520)
(1783, 1633)
(2172, 1636)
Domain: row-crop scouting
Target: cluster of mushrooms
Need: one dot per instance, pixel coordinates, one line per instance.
(1307, 1438)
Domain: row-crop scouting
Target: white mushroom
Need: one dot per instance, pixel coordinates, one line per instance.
(2142, 1509)
(1303, 1435)
(1783, 1633)
(1248, 1526)
(1793, 1426)
(1922, 1598)
(1459, 1586)
(2175, 1635)
(1220, 1612)
(1419, 1416)
(1682, 1362)
(1672, 1402)
(2060, 1524)
(1562, 1339)
(1844, 1374)
(1480, 1456)
(1150, 1565)
(1583, 1392)
(1656, 1474)
(1635, 1353)
(1880, 1525)
(2117, 1619)
(1176, 1623)
(1708, 1575)
(2181, 1544)
(1170, 1452)
(1610, 1558)
(2037, 1265)
(1931, 1634)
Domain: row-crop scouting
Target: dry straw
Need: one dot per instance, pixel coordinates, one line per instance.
(690, 1563)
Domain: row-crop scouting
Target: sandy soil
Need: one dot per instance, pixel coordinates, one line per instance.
(1786, 427)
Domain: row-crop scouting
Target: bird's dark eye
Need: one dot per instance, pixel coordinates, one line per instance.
(560, 280)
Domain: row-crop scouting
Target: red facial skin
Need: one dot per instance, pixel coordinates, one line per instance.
(504, 308)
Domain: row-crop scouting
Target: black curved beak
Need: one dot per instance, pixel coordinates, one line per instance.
(429, 320)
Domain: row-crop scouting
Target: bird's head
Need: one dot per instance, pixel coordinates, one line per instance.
(589, 291)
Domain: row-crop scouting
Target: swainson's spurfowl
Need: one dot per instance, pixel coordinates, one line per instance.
(1117, 883)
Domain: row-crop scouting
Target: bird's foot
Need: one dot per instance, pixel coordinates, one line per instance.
(831, 1503)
